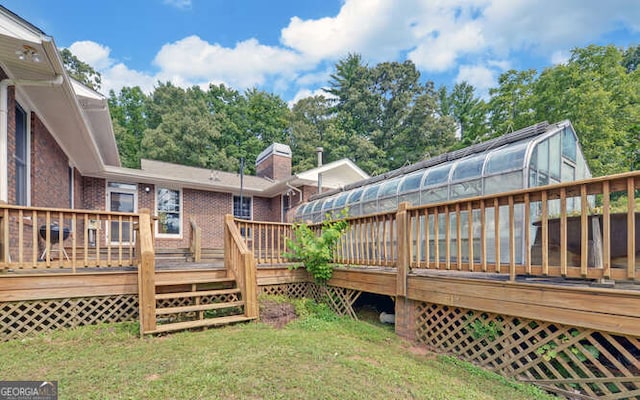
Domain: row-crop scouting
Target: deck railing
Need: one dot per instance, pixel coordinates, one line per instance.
(265, 240)
(239, 261)
(33, 238)
(554, 230)
(563, 230)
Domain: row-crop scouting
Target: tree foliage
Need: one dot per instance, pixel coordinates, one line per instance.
(382, 116)
(81, 71)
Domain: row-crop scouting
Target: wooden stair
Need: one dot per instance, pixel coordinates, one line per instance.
(197, 303)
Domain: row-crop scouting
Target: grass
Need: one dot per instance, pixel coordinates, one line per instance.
(318, 356)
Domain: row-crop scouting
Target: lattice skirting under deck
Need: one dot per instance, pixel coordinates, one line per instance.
(575, 362)
(340, 300)
(295, 290)
(22, 318)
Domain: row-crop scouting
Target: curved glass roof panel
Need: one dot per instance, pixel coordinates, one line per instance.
(328, 204)
(341, 200)
(437, 175)
(506, 159)
(389, 188)
(318, 205)
(371, 193)
(411, 182)
(468, 168)
(355, 196)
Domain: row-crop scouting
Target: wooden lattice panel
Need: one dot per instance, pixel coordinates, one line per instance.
(22, 318)
(340, 300)
(571, 361)
(296, 290)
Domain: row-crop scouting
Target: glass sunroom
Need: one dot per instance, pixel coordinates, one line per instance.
(539, 155)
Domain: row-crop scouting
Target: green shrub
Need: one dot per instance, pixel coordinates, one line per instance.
(315, 251)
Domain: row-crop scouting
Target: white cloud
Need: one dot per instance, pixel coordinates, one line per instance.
(478, 38)
(92, 53)
(481, 77)
(246, 65)
(304, 93)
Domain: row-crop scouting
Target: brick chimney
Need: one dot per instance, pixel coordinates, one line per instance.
(274, 162)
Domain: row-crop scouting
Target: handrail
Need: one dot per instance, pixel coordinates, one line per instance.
(196, 240)
(35, 238)
(543, 231)
(146, 274)
(241, 265)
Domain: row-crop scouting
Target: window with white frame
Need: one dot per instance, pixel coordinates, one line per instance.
(168, 209)
(242, 207)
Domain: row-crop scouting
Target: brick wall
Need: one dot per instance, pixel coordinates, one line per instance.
(11, 145)
(93, 193)
(49, 169)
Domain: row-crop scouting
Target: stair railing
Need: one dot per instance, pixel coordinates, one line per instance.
(146, 273)
(241, 265)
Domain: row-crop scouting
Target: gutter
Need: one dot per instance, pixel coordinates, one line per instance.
(4, 125)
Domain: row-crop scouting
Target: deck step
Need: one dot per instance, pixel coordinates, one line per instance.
(199, 307)
(178, 295)
(178, 326)
(186, 280)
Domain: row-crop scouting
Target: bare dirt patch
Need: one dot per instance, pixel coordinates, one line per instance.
(277, 314)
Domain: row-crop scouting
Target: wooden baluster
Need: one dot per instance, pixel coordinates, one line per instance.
(48, 239)
(496, 221)
(436, 238)
(483, 235)
(563, 232)
(74, 238)
(545, 233)
(120, 238)
(85, 248)
(447, 237)
(426, 237)
(512, 240)
(110, 228)
(584, 231)
(631, 229)
(6, 237)
(415, 214)
(384, 238)
(20, 238)
(34, 238)
(273, 244)
(458, 237)
(98, 237)
(527, 234)
(606, 230)
(470, 235)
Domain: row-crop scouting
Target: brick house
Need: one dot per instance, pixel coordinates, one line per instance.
(58, 149)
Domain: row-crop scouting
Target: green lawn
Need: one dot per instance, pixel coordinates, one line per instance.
(317, 356)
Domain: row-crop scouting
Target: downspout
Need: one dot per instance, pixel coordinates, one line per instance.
(4, 125)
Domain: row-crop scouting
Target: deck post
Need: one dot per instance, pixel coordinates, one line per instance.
(146, 274)
(403, 247)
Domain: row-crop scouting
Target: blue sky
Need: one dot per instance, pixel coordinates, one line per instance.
(290, 47)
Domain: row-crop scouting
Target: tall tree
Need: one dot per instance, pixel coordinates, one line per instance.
(509, 107)
(467, 110)
(310, 119)
(601, 98)
(81, 71)
(128, 113)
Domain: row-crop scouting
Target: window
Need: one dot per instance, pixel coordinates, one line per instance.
(22, 150)
(121, 197)
(286, 206)
(242, 207)
(168, 210)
